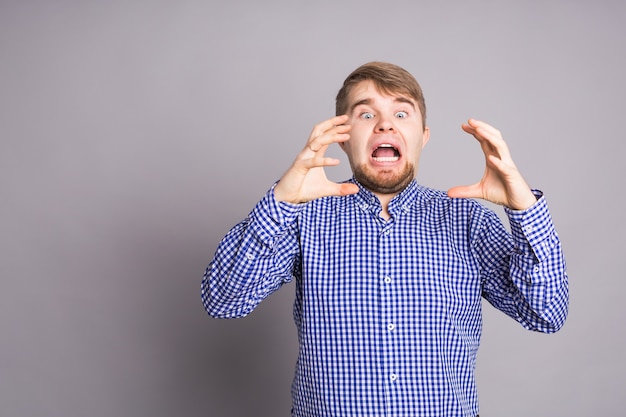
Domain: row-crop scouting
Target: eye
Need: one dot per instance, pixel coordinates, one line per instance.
(402, 115)
(367, 115)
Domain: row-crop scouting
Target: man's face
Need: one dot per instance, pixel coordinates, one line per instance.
(386, 138)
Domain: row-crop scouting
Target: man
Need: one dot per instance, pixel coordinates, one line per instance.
(390, 274)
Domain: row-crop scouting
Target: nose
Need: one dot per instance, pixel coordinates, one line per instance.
(384, 124)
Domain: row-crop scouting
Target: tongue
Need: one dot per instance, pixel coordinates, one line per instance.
(384, 153)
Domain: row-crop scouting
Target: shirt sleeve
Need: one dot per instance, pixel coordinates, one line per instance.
(526, 278)
(254, 259)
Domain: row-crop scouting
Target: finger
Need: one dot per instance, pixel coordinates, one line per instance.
(335, 134)
(485, 142)
(466, 191)
(478, 124)
(322, 162)
(347, 189)
(489, 137)
(339, 189)
(505, 168)
(328, 124)
(316, 161)
(481, 130)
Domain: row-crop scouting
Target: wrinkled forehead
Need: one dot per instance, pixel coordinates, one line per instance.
(363, 91)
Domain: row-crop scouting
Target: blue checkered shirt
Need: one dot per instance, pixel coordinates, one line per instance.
(389, 312)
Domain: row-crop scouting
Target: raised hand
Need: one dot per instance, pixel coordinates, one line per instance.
(306, 180)
(501, 183)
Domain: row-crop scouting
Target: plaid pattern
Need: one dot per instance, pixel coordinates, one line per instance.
(389, 312)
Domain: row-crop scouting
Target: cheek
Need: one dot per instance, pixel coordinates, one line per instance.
(416, 154)
(358, 140)
(347, 149)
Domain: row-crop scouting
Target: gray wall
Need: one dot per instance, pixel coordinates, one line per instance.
(134, 134)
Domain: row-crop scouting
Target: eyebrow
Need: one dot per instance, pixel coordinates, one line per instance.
(368, 101)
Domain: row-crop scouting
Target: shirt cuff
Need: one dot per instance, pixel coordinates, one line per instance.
(271, 218)
(533, 227)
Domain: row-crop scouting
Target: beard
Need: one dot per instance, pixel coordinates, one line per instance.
(384, 181)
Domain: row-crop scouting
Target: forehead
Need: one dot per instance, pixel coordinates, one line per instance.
(367, 92)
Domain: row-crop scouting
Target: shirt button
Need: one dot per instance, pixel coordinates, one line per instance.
(249, 256)
(387, 280)
(536, 268)
(393, 377)
(529, 228)
(391, 326)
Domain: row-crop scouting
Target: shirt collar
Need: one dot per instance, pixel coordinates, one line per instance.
(401, 202)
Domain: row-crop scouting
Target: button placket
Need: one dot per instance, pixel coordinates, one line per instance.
(387, 325)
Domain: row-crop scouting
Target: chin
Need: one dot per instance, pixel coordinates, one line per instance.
(384, 182)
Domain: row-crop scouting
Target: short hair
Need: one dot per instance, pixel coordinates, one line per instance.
(388, 79)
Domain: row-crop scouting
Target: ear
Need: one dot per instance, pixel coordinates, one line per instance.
(425, 136)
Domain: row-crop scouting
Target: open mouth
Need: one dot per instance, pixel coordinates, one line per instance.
(385, 153)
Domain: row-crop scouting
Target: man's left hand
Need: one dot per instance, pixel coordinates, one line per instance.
(501, 183)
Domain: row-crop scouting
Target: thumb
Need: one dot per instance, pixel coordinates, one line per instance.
(347, 189)
(466, 191)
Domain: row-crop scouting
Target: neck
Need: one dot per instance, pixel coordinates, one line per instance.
(384, 202)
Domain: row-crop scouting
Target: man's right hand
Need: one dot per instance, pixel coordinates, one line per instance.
(306, 180)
